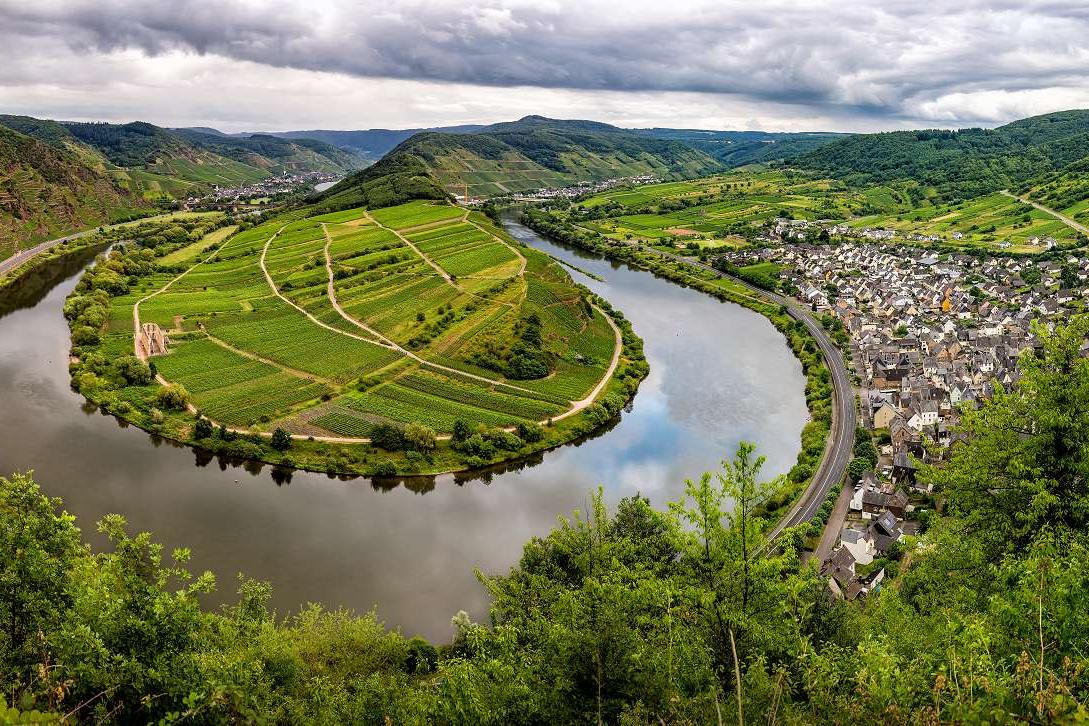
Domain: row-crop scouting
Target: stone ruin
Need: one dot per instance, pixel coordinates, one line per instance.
(152, 340)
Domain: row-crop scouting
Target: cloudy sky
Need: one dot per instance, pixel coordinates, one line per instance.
(853, 65)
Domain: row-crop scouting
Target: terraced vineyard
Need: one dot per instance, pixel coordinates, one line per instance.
(332, 325)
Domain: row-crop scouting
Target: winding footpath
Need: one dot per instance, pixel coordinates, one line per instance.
(1048, 210)
(840, 446)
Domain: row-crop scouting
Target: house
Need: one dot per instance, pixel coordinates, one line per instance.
(859, 543)
(903, 469)
(839, 567)
(900, 433)
(884, 415)
(875, 503)
(885, 532)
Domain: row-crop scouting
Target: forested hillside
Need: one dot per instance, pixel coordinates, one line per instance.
(537, 152)
(46, 191)
(959, 164)
(738, 148)
(161, 165)
(396, 179)
(623, 614)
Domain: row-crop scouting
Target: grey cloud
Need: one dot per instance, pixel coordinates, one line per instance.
(876, 58)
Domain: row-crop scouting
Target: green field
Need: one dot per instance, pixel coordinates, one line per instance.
(438, 308)
(728, 209)
(992, 220)
(722, 210)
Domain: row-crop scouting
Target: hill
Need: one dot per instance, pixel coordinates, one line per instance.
(273, 153)
(958, 164)
(738, 148)
(536, 152)
(370, 144)
(395, 179)
(163, 164)
(47, 191)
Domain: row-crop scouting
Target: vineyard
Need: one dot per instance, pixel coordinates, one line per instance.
(329, 326)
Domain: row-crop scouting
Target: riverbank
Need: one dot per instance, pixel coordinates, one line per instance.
(821, 461)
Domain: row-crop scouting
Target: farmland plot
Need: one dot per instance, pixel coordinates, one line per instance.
(340, 322)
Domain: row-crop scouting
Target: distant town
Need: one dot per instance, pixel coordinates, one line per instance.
(582, 189)
(224, 197)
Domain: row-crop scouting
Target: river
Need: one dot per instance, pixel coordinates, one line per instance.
(720, 374)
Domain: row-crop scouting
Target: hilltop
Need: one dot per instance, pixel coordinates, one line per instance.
(531, 153)
(738, 148)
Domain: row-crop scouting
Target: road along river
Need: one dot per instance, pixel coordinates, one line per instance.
(720, 374)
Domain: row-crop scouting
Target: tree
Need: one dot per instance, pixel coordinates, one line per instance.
(172, 397)
(135, 371)
(858, 467)
(38, 548)
(726, 556)
(281, 440)
(202, 429)
(388, 437)
(420, 438)
(461, 431)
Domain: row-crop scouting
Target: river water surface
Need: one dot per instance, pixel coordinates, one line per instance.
(720, 374)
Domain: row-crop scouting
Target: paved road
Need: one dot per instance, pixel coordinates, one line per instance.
(830, 536)
(840, 447)
(1057, 215)
(24, 256)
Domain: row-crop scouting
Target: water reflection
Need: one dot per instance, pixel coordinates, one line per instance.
(719, 374)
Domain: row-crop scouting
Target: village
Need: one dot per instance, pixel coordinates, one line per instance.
(928, 335)
(228, 197)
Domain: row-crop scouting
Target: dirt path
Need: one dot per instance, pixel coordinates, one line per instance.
(500, 240)
(617, 346)
(309, 316)
(408, 353)
(1048, 210)
(443, 273)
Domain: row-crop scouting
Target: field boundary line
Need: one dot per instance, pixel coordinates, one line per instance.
(267, 361)
(442, 273)
(391, 344)
(310, 317)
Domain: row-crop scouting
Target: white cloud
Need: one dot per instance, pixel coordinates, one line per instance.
(727, 63)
